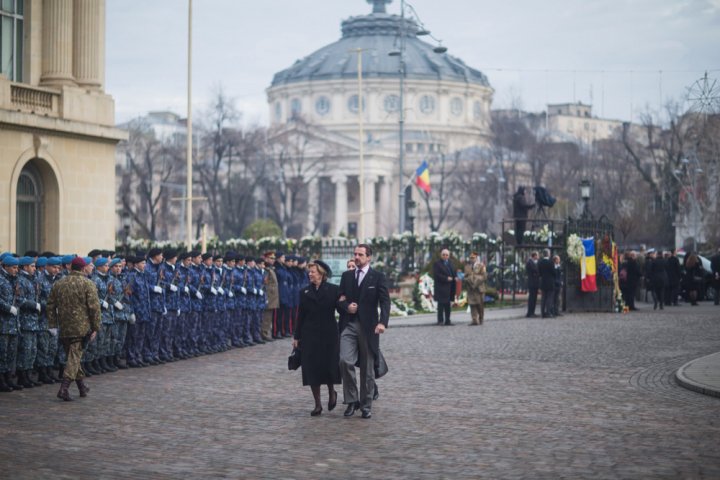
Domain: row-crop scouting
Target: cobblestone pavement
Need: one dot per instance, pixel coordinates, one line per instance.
(581, 396)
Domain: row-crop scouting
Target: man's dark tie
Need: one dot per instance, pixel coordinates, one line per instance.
(357, 276)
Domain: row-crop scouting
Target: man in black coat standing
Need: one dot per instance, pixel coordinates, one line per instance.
(546, 269)
(444, 277)
(362, 291)
(715, 268)
(533, 280)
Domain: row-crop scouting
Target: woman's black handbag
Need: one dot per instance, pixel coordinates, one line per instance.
(294, 359)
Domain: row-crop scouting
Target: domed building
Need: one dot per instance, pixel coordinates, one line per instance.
(446, 108)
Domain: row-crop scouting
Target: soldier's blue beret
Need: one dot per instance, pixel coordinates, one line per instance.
(67, 259)
(5, 254)
(10, 261)
(24, 261)
(54, 261)
(205, 256)
(88, 260)
(41, 262)
(259, 260)
(279, 253)
(115, 261)
(301, 259)
(101, 261)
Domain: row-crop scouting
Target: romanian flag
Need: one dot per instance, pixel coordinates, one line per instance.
(422, 177)
(587, 266)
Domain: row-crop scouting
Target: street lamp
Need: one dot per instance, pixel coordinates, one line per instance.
(400, 53)
(411, 212)
(585, 194)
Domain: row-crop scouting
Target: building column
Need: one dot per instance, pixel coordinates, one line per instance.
(57, 43)
(88, 42)
(313, 193)
(368, 210)
(386, 206)
(341, 203)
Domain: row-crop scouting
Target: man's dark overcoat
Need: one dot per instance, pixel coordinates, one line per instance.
(444, 288)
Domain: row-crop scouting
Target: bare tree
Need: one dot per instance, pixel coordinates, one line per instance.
(443, 194)
(149, 165)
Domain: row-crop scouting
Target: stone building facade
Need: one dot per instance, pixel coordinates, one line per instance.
(57, 134)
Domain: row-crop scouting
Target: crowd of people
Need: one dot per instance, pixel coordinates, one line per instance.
(665, 277)
(153, 308)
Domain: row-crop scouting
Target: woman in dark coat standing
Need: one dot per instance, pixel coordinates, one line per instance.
(317, 335)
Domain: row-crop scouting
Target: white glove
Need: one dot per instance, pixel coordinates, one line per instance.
(262, 292)
(221, 290)
(178, 312)
(198, 295)
(13, 310)
(38, 307)
(213, 290)
(255, 292)
(173, 288)
(53, 331)
(164, 310)
(231, 294)
(105, 305)
(243, 290)
(186, 290)
(118, 305)
(132, 319)
(157, 289)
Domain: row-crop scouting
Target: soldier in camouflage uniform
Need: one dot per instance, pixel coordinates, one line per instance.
(47, 344)
(156, 322)
(138, 291)
(73, 308)
(29, 305)
(9, 322)
(270, 284)
(121, 312)
(105, 341)
(169, 282)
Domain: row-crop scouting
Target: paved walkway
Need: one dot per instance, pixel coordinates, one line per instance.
(579, 396)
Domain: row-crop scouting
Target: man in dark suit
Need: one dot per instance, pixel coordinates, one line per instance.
(546, 270)
(362, 291)
(715, 268)
(444, 277)
(533, 281)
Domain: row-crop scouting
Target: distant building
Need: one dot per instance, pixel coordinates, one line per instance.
(57, 133)
(446, 105)
(574, 121)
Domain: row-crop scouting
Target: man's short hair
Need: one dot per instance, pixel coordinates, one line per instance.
(368, 250)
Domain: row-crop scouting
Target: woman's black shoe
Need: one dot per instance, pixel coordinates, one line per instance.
(316, 411)
(332, 401)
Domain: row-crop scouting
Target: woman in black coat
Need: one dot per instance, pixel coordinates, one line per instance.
(317, 335)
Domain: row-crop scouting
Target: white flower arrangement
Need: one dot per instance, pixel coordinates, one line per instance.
(575, 248)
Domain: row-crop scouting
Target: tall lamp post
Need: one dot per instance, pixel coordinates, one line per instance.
(585, 194)
(126, 232)
(400, 53)
(411, 211)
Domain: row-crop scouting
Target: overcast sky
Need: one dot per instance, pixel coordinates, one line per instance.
(620, 55)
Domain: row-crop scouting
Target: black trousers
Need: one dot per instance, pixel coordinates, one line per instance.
(548, 302)
(443, 312)
(532, 300)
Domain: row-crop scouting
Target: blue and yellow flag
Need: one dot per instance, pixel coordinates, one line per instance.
(422, 177)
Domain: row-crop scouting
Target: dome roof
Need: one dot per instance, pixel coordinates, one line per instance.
(379, 34)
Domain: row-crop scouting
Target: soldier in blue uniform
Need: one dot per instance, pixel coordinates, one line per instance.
(181, 342)
(218, 341)
(169, 282)
(151, 351)
(121, 312)
(47, 343)
(230, 299)
(196, 302)
(260, 300)
(28, 302)
(9, 321)
(139, 293)
(241, 303)
(209, 292)
(102, 348)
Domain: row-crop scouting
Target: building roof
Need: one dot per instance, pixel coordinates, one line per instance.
(378, 34)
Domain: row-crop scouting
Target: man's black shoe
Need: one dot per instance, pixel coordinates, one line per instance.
(449, 323)
(376, 395)
(531, 315)
(351, 408)
(366, 413)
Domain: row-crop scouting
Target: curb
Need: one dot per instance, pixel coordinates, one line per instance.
(696, 367)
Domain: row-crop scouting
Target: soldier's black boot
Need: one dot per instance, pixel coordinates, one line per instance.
(63, 393)
(118, 363)
(24, 380)
(51, 374)
(86, 368)
(107, 364)
(84, 389)
(61, 371)
(37, 383)
(42, 376)
(97, 369)
(10, 383)
(4, 387)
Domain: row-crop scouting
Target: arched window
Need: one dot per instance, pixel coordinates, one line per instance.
(29, 212)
